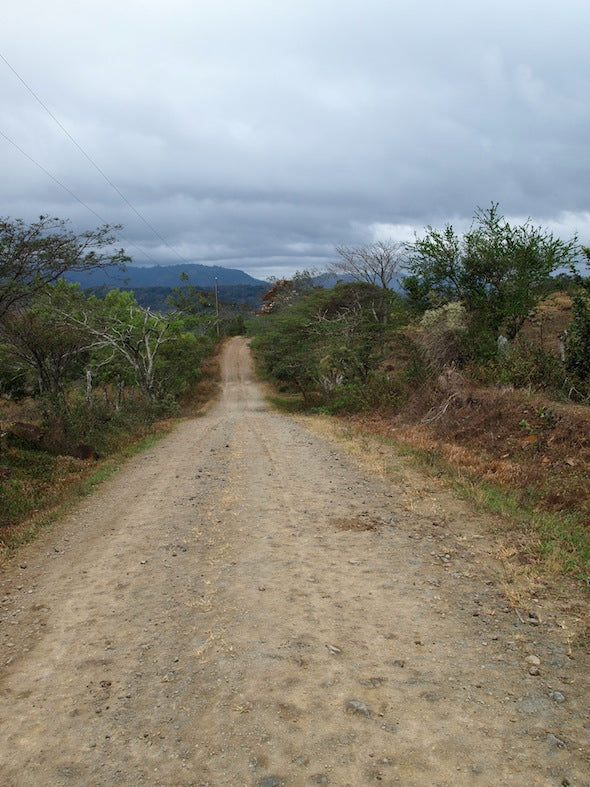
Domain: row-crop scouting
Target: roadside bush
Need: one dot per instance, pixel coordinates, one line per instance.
(523, 365)
(16, 381)
(98, 423)
(376, 392)
(577, 346)
(178, 366)
(235, 326)
(323, 342)
(442, 335)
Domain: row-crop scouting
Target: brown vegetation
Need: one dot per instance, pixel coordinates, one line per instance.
(511, 437)
(503, 436)
(552, 317)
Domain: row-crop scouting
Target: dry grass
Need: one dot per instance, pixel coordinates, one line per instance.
(361, 448)
(552, 317)
(539, 555)
(515, 440)
(462, 457)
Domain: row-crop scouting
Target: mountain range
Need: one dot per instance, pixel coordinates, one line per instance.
(153, 285)
(205, 276)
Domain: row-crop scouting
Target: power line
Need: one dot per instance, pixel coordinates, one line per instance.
(89, 159)
(70, 192)
(53, 178)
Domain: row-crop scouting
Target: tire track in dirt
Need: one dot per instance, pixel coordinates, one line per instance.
(242, 605)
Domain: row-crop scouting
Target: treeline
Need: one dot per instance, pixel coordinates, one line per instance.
(240, 298)
(463, 302)
(82, 374)
(84, 365)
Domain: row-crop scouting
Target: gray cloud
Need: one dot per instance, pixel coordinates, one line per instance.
(259, 134)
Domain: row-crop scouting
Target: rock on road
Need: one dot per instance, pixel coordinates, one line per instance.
(244, 605)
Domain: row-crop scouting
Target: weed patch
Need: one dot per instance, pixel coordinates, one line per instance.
(557, 540)
(288, 403)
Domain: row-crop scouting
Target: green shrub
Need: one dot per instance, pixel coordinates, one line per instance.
(523, 365)
(577, 346)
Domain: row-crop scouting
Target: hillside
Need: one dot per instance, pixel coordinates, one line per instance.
(153, 286)
(240, 296)
(163, 276)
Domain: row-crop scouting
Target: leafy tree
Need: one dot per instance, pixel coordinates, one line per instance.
(282, 339)
(47, 349)
(285, 292)
(577, 345)
(278, 296)
(496, 270)
(324, 341)
(178, 363)
(34, 255)
(419, 294)
(192, 300)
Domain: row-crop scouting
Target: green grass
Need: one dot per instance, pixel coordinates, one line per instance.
(561, 540)
(287, 403)
(43, 487)
(109, 466)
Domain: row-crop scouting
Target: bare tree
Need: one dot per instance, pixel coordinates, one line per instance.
(130, 331)
(377, 263)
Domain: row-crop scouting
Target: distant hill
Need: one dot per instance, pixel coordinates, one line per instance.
(329, 280)
(242, 297)
(163, 276)
(153, 285)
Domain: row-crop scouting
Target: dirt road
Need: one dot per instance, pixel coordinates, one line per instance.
(244, 605)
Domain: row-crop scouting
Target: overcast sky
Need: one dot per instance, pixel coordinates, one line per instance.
(259, 134)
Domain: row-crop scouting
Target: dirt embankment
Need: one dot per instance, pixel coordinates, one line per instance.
(521, 441)
(517, 439)
(245, 604)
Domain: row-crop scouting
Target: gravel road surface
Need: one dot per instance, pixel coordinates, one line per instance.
(245, 604)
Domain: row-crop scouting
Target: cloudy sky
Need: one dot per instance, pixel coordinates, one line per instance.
(259, 134)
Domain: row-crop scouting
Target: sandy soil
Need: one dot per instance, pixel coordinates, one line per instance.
(244, 604)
